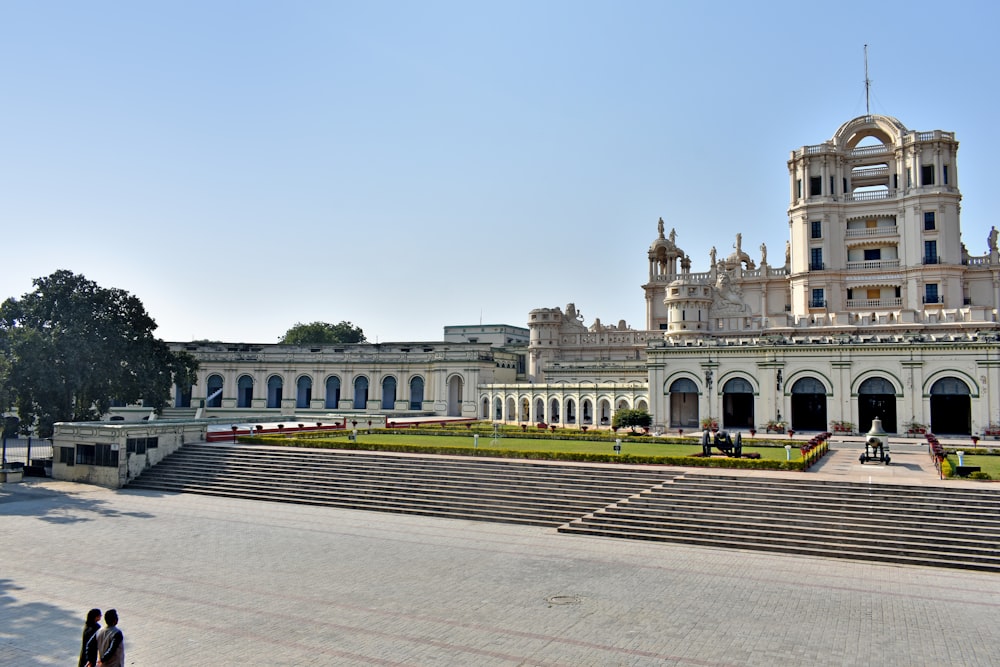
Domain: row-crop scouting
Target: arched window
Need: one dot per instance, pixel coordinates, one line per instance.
(213, 387)
(303, 392)
(416, 393)
(389, 393)
(332, 392)
(244, 392)
(360, 392)
(274, 388)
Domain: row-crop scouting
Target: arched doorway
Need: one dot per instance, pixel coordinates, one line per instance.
(244, 392)
(274, 387)
(604, 412)
(485, 413)
(416, 393)
(554, 411)
(683, 404)
(455, 390)
(525, 410)
(737, 404)
(511, 412)
(808, 405)
(877, 398)
(303, 392)
(213, 388)
(570, 411)
(332, 392)
(951, 407)
(588, 411)
(389, 393)
(539, 410)
(360, 393)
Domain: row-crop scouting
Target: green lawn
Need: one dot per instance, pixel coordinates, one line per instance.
(570, 446)
(989, 464)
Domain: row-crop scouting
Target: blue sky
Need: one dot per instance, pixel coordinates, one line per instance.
(243, 166)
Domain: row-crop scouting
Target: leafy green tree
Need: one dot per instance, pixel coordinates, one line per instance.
(71, 348)
(631, 419)
(322, 333)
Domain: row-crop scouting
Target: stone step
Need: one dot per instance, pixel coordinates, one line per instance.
(691, 536)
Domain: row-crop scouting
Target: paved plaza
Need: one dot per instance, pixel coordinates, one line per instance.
(212, 581)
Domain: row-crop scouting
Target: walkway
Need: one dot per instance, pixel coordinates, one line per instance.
(212, 581)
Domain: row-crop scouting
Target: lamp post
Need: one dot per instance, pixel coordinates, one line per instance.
(709, 376)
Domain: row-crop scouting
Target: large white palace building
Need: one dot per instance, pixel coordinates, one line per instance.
(875, 308)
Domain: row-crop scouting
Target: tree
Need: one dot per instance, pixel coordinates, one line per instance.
(71, 348)
(322, 333)
(631, 419)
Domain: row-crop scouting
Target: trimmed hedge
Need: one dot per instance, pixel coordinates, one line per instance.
(691, 461)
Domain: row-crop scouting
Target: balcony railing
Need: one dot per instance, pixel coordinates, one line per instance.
(868, 172)
(873, 264)
(934, 299)
(816, 266)
(932, 260)
(874, 303)
(869, 195)
(870, 232)
(817, 303)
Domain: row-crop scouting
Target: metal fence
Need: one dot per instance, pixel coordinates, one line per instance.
(23, 450)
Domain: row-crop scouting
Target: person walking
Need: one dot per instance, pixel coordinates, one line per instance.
(110, 642)
(88, 645)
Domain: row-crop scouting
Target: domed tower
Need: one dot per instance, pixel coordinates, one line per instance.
(688, 303)
(664, 258)
(543, 345)
(874, 222)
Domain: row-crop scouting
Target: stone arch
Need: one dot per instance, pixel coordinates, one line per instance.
(808, 404)
(877, 398)
(416, 392)
(303, 391)
(275, 387)
(683, 392)
(213, 391)
(737, 403)
(389, 387)
(360, 393)
(951, 406)
(332, 400)
(244, 391)
(456, 391)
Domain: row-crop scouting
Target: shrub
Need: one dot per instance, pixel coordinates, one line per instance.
(979, 474)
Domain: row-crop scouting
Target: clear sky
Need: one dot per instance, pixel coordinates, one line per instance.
(242, 166)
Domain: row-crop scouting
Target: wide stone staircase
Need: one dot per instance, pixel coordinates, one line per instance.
(542, 494)
(922, 525)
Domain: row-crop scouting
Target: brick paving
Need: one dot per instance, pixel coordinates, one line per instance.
(214, 581)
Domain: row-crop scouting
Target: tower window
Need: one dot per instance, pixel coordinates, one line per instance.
(944, 170)
(818, 299)
(927, 174)
(931, 293)
(816, 259)
(815, 186)
(929, 220)
(930, 252)
(817, 229)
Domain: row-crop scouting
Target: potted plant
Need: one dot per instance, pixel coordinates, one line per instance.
(913, 427)
(709, 424)
(753, 432)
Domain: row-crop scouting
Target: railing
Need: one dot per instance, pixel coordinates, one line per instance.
(816, 266)
(934, 299)
(870, 195)
(23, 450)
(867, 265)
(870, 150)
(875, 303)
(869, 232)
(932, 260)
(868, 172)
(817, 303)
